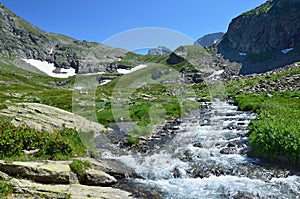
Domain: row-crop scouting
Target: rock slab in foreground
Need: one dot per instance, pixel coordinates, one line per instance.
(28, 189)
(45, 172)
(47, 118)
(55, 179)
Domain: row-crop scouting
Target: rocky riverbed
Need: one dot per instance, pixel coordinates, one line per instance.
(201, 155)
(207, 158)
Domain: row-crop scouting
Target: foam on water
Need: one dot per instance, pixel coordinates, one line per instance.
(182, 156)
(216, 187)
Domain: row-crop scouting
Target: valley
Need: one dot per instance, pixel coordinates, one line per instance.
(82, 120)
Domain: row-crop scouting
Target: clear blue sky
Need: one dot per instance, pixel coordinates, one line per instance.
(97, 20)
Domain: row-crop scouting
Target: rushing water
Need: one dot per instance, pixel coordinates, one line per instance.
(207, 159)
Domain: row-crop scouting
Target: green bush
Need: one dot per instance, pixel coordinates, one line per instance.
(78, 166)
(140, 111)
(58, 98)
(105, 116)
(274, 134)
(262, 9)
(250, 102)
(131, 140)
(61, 144)
(5, 189)
(3, 106)
(275, 137)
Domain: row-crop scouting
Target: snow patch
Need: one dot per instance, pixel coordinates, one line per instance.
(88, 74)
(78, 88)
(219, 72)
(105, 82)
(125, 71)
(216, 74)
(49, 68)
(285, 51)
(243, 54)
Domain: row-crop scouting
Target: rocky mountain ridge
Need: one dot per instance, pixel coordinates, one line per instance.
(22, 40)
(264, 38)
(209, 39)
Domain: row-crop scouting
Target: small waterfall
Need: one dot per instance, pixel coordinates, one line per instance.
(207, 159)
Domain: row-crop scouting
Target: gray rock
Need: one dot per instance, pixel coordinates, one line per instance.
(112, 167)
(97, 177)
(284, 83)
(156, 75)
(46, 118)
(45, 172)
(54, 179)
(199, 64)
(175, 59)
(261, 34)
(28, 189)
(227, 151)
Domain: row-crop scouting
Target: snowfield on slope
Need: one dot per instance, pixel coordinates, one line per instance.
(48, 68)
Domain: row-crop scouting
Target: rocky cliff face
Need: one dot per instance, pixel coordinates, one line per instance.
(209, 40)
(20, 39)
(264, 38)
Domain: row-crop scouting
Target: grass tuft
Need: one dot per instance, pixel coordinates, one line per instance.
(5, 189)
(79, 166)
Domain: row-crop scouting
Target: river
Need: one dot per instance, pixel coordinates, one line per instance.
(208, 159)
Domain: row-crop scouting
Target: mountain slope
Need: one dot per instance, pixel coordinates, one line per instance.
(209, 40)
(264, 38)
(20, 39)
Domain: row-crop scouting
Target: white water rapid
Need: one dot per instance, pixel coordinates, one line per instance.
(207, 159)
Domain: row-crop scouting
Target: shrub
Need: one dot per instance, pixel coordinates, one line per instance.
(57, 145)
(274, 134)
(5, 189)
(131, 140)
(275, 137)
(78, 167)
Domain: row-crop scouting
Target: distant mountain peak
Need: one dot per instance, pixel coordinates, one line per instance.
(209, 39)
(160, 50)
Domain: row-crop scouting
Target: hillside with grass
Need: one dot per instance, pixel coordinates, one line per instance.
(275, 97)
(22, 40)
(53, 131)
(41, 141)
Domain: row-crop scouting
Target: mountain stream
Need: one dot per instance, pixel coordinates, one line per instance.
(207, 159)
